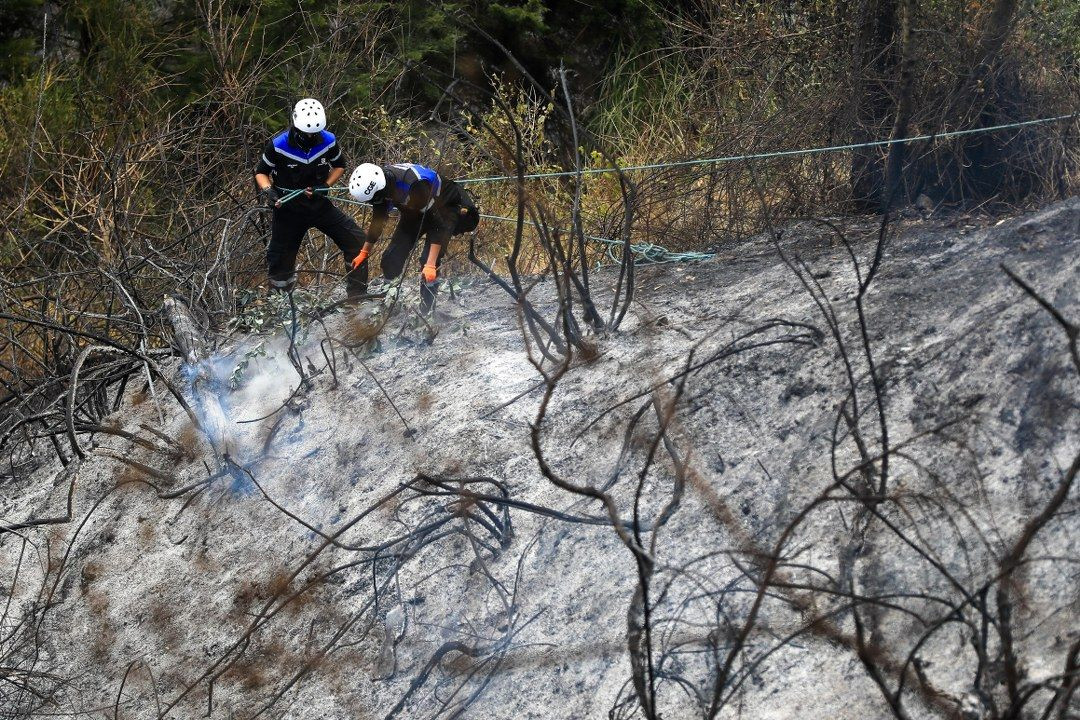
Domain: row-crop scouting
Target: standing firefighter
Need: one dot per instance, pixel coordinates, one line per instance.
(429, 205)
(306, 156)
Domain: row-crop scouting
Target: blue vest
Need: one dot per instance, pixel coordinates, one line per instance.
(326, 142)
(405, 175)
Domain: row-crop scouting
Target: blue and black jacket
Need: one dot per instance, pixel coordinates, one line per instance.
(294, 160)
(418, 191)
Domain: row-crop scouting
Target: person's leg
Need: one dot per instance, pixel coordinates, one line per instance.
(356, 280)
(401, 244)
(349, 238)
(286, 231)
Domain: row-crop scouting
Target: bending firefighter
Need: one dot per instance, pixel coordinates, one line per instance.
(306, 156)
(429, 205)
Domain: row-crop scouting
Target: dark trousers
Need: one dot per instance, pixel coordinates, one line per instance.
(437, 225)
(287, 231)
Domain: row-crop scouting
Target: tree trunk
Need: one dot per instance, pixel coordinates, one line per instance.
(979, 167)
(874, 61)
(999, 23)
(894, 163)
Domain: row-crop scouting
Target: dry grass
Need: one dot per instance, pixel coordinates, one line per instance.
(278, 584)
(56, 537)
(589, 351)
(103, 641)
(146, 534)
(341, 675)
(250, 674)
(101, 646)
(162, 618)
(454, 467)
(204, 563)
(127, 475)
(246, 595)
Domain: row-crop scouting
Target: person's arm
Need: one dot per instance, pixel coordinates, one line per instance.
(433, 255)
(262, 177)
(380, 213)
(337, 169)
(334, 176)
(267, 190)
(430, 273)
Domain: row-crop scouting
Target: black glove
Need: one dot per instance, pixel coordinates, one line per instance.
(270, 196)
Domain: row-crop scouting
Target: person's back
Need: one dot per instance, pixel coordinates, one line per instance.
(409, 187)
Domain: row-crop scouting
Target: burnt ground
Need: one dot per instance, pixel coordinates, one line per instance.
(979, 396)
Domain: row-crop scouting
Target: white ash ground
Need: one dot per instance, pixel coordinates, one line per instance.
(168, 584)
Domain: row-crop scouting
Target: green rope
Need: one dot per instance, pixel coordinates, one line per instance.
(650, 253)
(644, 253)
(290, 194)
(767, 155)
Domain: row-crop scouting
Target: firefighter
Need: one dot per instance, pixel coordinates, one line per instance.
(430, 206)
(306, 156)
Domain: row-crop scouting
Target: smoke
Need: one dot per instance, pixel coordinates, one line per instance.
(231, 390)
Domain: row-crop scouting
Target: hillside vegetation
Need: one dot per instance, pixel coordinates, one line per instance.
(753, 394)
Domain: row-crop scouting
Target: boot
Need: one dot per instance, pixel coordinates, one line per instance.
(356, 283)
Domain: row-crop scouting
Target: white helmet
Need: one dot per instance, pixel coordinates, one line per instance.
(366, 180)
(309, 116)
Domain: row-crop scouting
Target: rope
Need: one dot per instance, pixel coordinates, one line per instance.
(650, 253)
(290, 194)
(773, 154)
(645, 253)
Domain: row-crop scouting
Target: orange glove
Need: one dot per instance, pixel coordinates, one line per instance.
(359, 259)
(429, 273)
